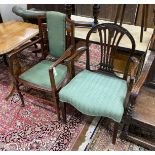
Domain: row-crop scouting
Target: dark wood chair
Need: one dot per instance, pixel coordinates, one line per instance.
(1, 20)
(98, 90)
(139, 124)
(57, 41)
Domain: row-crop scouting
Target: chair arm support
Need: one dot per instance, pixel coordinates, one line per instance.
(137, 86)
(139, 83)
(134, 67)
(77, 53)
(66, 54)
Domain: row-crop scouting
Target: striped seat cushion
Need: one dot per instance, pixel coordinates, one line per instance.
(96, 94)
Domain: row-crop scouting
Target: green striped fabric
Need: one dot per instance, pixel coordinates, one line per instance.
(39, 74)
(96, 94)
(56, 32)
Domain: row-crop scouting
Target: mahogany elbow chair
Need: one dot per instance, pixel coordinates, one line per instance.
(57, 40)
(100, 91)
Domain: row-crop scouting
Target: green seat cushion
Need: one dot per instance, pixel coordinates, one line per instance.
(96, 94)
(39, 74)
(56, 32)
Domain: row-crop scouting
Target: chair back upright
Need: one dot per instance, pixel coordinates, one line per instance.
(110, 36)
(57, 33)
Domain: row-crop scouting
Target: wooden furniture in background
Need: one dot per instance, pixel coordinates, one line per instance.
(80, 33)
(107, 11)
(14, 36)
(141, 110)
(88, 88)
(41, 76)
(120, 12)
(144, 18)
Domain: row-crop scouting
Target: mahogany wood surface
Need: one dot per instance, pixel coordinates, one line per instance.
(14, 34)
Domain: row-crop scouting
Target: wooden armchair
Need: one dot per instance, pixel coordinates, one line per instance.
(99, 91)
(141, 108)
(57, 41)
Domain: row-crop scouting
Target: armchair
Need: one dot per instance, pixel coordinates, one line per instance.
(57, 40)
(99, 91)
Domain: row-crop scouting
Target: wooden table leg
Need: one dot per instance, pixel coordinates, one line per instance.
(12, 88)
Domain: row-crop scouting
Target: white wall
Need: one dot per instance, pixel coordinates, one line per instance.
(7, 14)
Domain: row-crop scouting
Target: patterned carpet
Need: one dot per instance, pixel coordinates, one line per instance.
(101, 140)
(35, 127)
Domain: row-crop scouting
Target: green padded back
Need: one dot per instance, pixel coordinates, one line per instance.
(56, 32)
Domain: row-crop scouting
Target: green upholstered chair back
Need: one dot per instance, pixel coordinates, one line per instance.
(56, 32)
(56, 26)
(109, 37)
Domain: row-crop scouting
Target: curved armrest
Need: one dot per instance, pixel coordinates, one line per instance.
(77, 53)
(137, 86)
(66, 54)
(134, 67)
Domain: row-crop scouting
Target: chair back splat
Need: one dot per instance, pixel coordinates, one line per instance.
(110, 36)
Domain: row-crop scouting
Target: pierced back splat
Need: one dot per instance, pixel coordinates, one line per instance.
(110, 35)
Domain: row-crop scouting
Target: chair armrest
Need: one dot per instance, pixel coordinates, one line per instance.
(66, 54)
(134, 67)
(130, 102)
(137, 86)
(77, 53)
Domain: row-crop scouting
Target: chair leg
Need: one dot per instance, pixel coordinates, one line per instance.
(116, 125)
(64, 112)
(142, 23)
(146, 16)
(57, 108)
(20, 94)
(137, 12)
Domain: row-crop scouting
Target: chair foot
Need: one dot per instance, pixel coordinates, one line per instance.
(116, 125)
(22, 105)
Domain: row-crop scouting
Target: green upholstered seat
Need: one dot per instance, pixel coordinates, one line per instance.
(56, 33)
(96, 94)
(39, 74)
